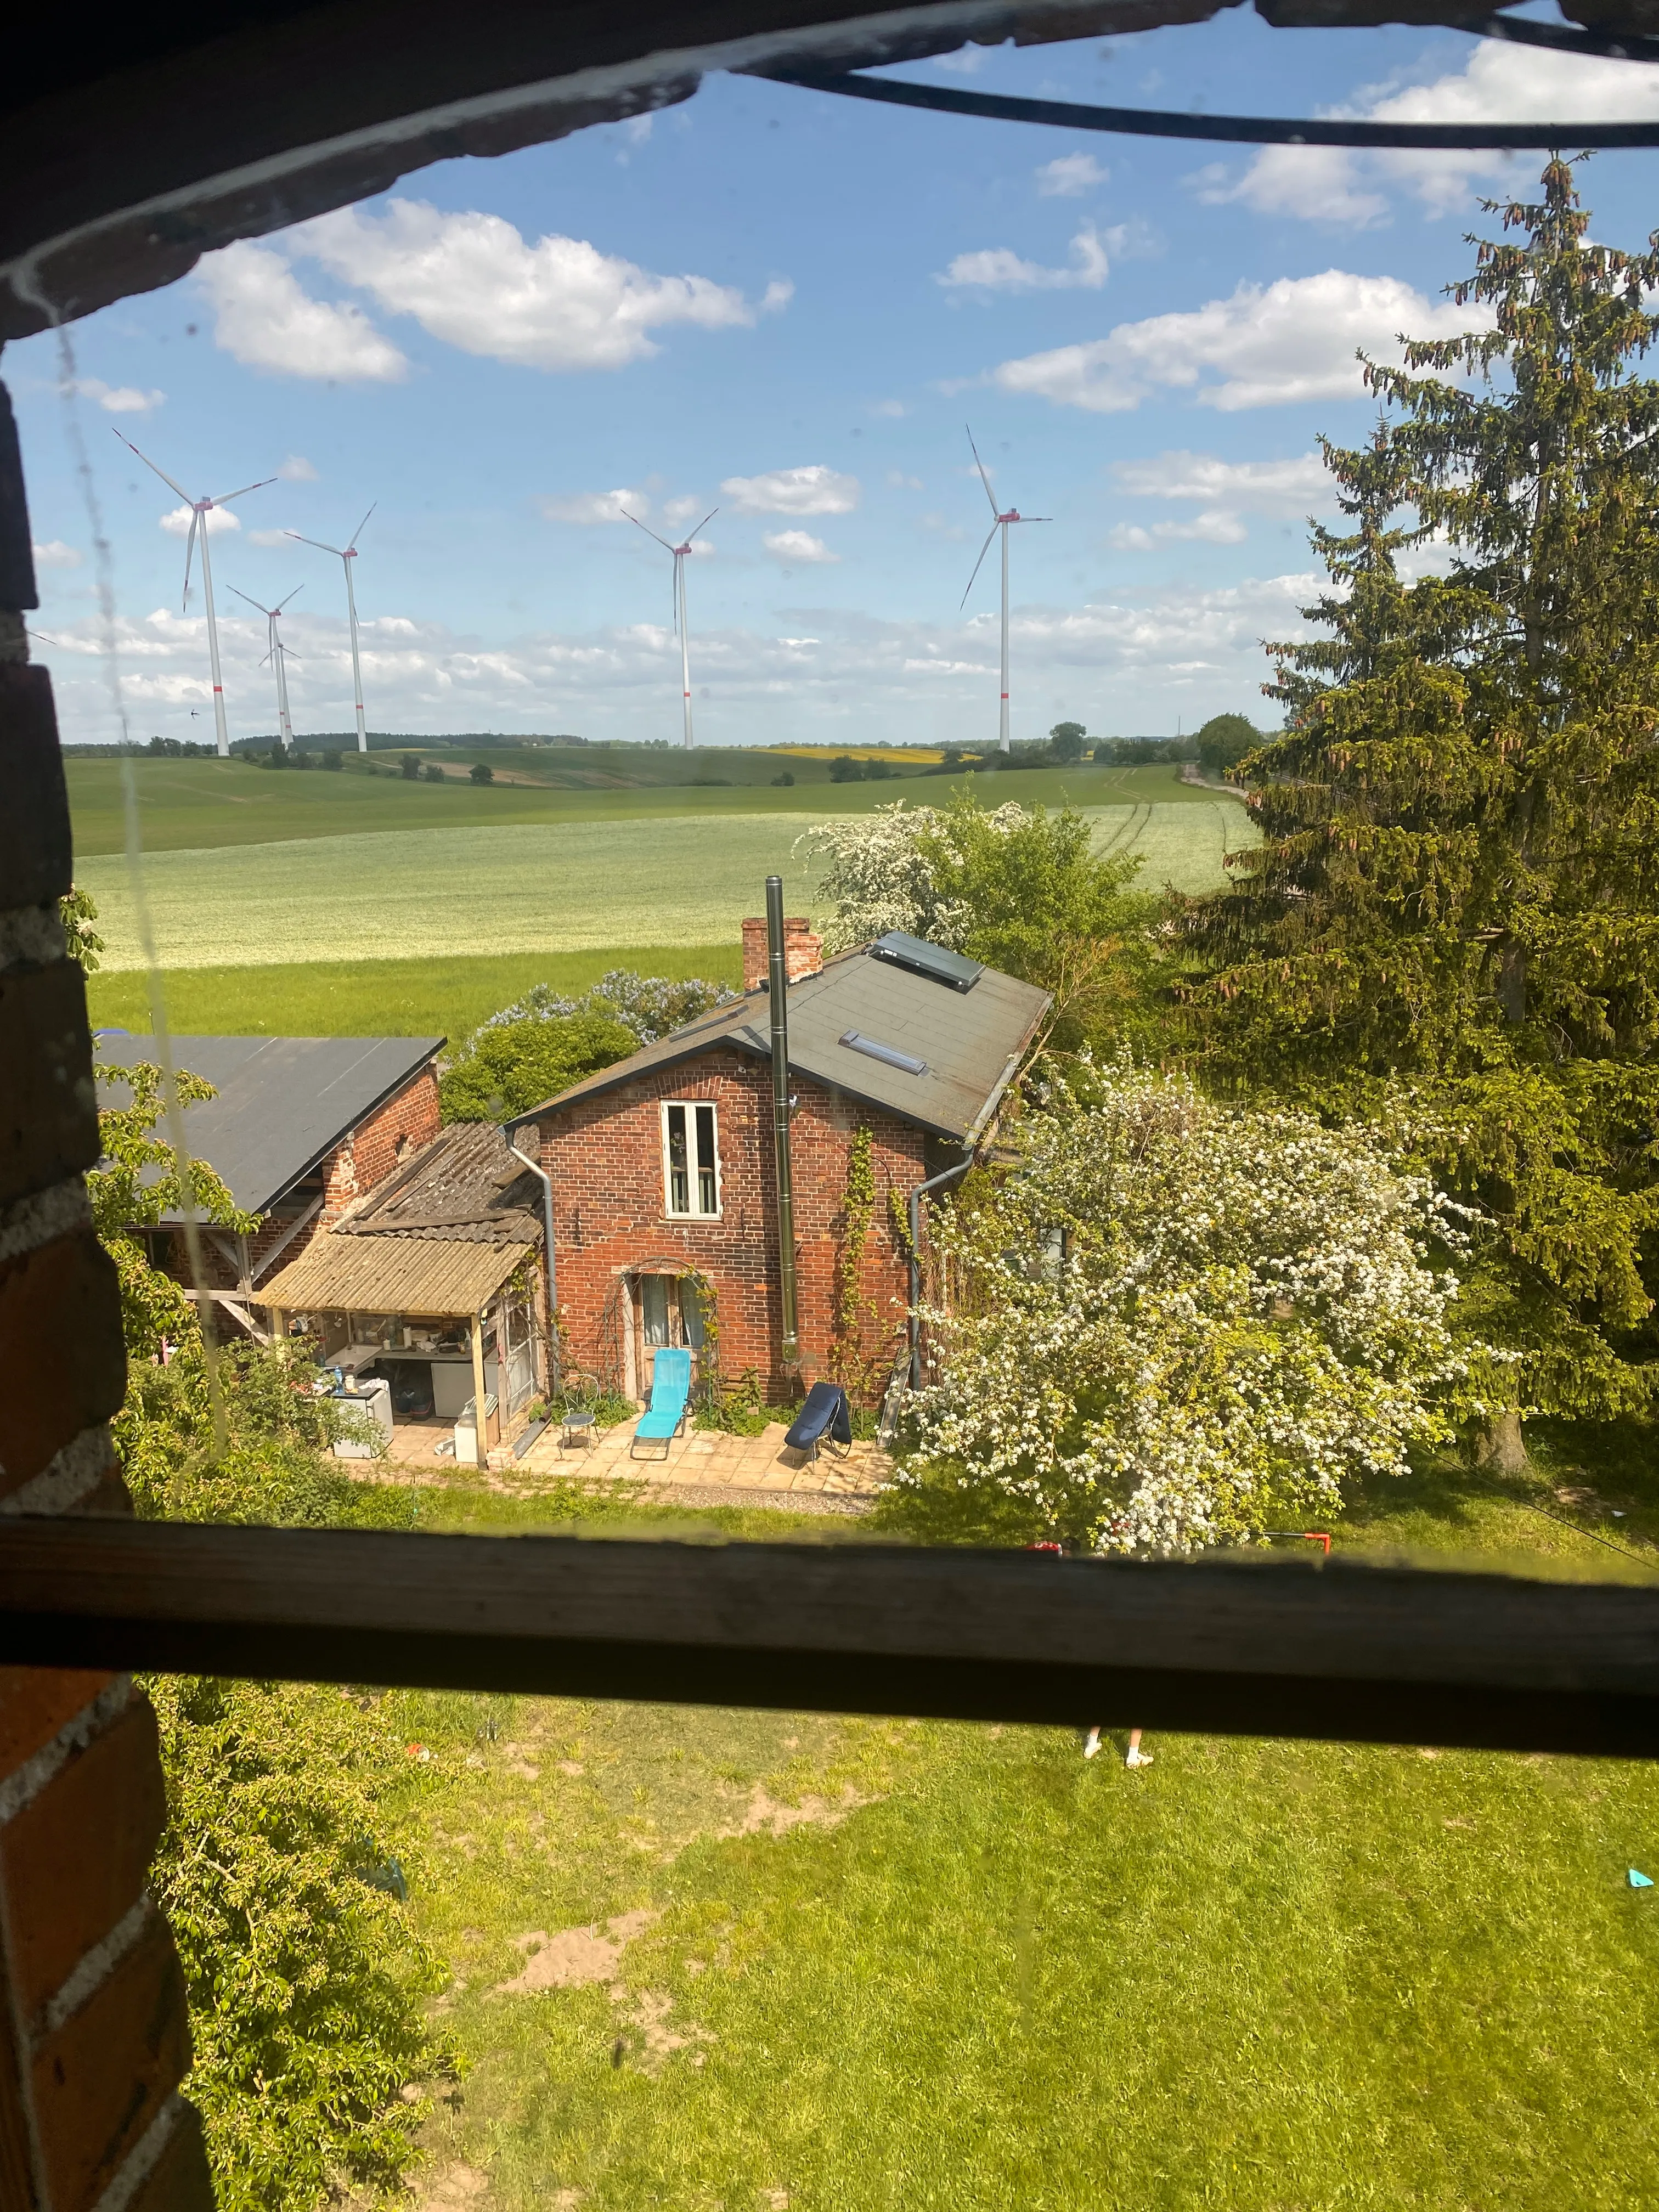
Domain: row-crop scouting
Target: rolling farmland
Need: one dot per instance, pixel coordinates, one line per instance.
(520, 887)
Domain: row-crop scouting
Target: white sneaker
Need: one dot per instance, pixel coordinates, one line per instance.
(1092, 1743)
(1137, 1757)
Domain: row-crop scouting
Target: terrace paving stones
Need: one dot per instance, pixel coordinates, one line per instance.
(703, 1459)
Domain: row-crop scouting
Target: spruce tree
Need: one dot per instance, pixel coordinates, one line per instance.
(1457, 887)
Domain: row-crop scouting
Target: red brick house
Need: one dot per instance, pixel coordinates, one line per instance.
(664, 1199)
(302, 1128)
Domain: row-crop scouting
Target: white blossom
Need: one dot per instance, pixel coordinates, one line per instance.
(878, 881)
(1174, 1322)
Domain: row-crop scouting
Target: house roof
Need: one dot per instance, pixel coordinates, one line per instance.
(438, 1276)
(283, 1103)
(968, 1042)
(464, 1186)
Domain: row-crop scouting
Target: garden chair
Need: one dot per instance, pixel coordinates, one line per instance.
(581, 1395)
(670, 1391)
(826, 1415)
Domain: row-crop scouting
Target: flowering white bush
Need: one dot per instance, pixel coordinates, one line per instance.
(878, 878)
(1173, 1322)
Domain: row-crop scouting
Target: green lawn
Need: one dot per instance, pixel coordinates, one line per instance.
(519, 887)
(205, 803)
(380, 998)
(907, 1966)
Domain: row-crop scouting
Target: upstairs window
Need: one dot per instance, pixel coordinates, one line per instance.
(691, 1172)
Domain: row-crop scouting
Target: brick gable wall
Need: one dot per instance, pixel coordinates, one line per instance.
(605, 1157)
(376, 1146)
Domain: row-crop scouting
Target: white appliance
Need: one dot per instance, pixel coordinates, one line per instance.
(373, 1397)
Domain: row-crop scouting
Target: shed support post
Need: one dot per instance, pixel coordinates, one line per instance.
(480, 1429)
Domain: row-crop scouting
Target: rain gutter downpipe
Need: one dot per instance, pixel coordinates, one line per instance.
(934, 1182)
(970, 1146)
(778, 992)
(545, 1180)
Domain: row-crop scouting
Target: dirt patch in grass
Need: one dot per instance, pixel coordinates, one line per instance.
(575, 1958)
(765, 1816)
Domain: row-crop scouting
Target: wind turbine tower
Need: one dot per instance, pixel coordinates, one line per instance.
(279, 658)
(1001, 523)
(200, 511)
(346, 555)
(679, 553)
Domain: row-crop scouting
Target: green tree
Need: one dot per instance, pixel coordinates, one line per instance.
(1458, 883)
(1066, 741)
(482, 772)
(1225, 740)
(1037, 902)
(411, 767)
(508, 1067)
(77, 913)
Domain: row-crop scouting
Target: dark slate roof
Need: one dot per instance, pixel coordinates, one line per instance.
(464, 1186)
(283, 1103)
(970, 1041)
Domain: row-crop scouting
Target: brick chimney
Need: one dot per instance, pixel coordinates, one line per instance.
(803, 952)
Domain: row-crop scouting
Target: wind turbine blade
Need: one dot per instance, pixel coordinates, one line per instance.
(265, 612)
(338, 551)
(638, 525)
(362, 526)
(223, 499)
(704, 524)
(979, 563)
(294, 594)
(150, 464)
(983, 479)
(190, 545)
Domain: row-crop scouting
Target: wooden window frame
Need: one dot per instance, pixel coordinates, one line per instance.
(691, 1108)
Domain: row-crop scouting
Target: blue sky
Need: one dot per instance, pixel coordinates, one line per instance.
(788, 305)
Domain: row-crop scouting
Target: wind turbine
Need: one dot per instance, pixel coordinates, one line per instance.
(346, 555)
(200, 511)
(1001, 523)
(278, 656)
(679, 553)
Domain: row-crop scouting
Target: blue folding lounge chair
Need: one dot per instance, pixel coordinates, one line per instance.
(671, 1387)
(825, 1414)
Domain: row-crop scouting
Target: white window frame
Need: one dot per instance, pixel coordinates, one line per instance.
(691, 1108)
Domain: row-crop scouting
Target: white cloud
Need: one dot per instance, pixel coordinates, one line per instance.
(219, 520)
(999, 269)
(120, 398)
(54, 554)
(1115, 663)
(1217, 526)
(686, 508)
(1069, 176)
(588, 506)
(263, 317)
(897, 478)
(798, 548)
(1291, 340)
(471, 280)
(1273, 487)
(269, 538)
(1320, 184)
(296, 468)
(892, 409)
(1499, 83)
(813, 491)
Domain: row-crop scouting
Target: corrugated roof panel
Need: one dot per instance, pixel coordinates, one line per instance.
(427, 1275)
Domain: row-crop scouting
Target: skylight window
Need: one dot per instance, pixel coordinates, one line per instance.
(930, 960)
(890, 1053)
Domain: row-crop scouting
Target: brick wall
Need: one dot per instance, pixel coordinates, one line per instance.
(604, 1157)
(93, 2029)
(377, 1146)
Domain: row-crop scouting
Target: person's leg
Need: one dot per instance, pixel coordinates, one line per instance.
(1090, 1742)
(1135, 1756)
